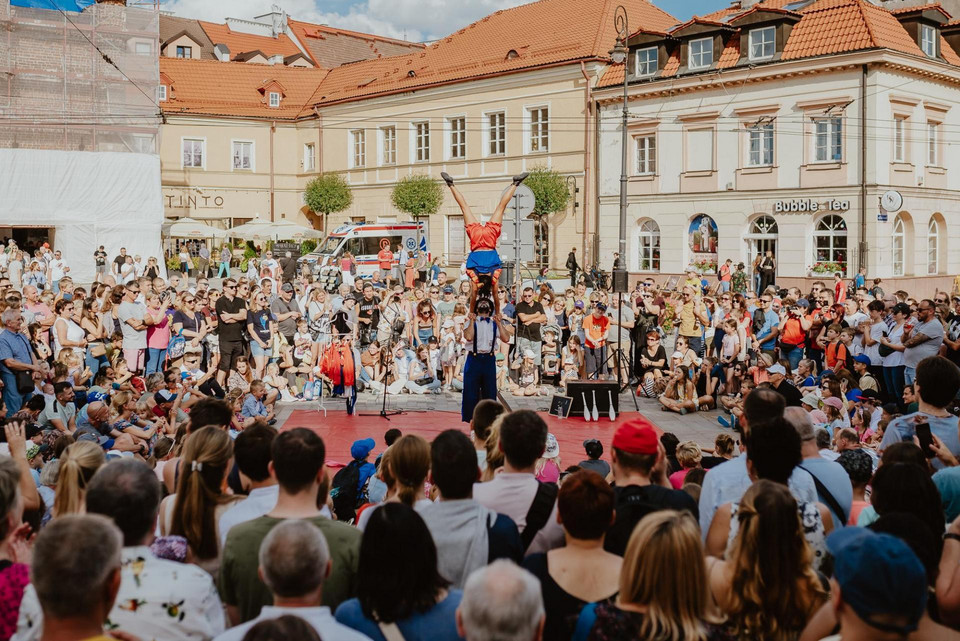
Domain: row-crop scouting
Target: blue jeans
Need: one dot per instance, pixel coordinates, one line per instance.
(696, 344)
(155, 358)
(224, 270)
(909, 375)
(724, 286)
(94, 362)
(792, 353)
(56, 286)
(893, 381)
(11, 397)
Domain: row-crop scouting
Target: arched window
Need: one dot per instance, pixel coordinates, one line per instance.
(830, 242)
(898, 245)
(648, 247)
(933, 246)
(764, 225)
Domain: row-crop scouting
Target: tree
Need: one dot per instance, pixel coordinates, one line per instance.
(417, 195)
(327, 194)
(551, 195)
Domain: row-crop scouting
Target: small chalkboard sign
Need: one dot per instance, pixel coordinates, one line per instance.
(560, 406)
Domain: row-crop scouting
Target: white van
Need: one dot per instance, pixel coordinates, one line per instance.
(364, 241)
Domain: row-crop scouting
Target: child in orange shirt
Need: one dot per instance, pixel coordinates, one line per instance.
(483, 263)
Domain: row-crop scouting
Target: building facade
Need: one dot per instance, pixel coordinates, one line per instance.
(781, 128)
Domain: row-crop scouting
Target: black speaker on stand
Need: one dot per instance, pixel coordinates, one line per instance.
(621, 281)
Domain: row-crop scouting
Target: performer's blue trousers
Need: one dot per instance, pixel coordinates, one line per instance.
(479, 382)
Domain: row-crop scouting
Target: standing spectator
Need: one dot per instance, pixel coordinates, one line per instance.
(203, 261)
(287, 311)
(834, 488)
(768, 270)
(516, 491)
(269, 267)
(16, 356)
(891, 350)
(158, 331)
(921, 338)
(294, 561)
(385, 260)
(118, 262)
(225, 256)
(405, 592)
(770, 329)
(468, 536)
(725, 275)
(100, 262)
(639, 472)
(133, 324)
(231, 312)
(288, 267)
(692, 316)
(501, 597)
(57, 269)
(298, 464)
(530, 316)
(261, 328)
(572, 266)
(185, 261)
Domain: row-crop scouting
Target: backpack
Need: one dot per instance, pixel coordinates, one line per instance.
(343, 491)
(759, 320)
(176, 347)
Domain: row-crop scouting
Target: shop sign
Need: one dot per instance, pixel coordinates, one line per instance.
(809, 206)
(194, 201)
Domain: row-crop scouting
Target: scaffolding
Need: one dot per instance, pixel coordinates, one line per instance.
(80, 81)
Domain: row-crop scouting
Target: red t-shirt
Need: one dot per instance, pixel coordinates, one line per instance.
(483, 236)
(386, 258)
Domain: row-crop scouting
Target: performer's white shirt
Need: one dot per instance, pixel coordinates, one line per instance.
(484, 329)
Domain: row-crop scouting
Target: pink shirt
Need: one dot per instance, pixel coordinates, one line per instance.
(158, 336)
(676, 479)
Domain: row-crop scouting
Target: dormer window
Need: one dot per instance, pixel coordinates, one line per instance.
(928, 40)
(763, 43)
(162, 93)
(701, 53)
(274, 99)
(512, 54)
(647, 61)
(184, 52)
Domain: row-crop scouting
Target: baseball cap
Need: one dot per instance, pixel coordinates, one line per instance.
(811, 399)
(854, 394)
(164, 396)
(804, 303)
(601, 306)
(862, 358)
(777, 369)
(637, 436)
(361, 449)
(879, 574)
(447, 324)
(833, 402)
(868, 394)
(448, 289)
(578, 304)
(501, 356)
(677, 355)
(553, 448)
(287, 287)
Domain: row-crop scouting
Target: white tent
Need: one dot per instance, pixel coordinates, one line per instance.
(191, 228)
(88, 198)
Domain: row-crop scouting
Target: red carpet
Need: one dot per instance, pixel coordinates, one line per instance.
(339, 431)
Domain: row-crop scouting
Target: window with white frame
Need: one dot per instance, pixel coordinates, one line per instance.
(760, 145)
(763, 43)
(539, 129)
(143, 48)
(898, 246)
(830, 240)
(242, 154)
(193, 152)
(184, 52)
(421, 131)
(933, 246)
(646, 154)
(648, 247)
(274, 99)
(162, 93)
(497, 133)
(701, 53)
(928, 40)
(828, 139)
(899, 139)
(309, 157)
(933, 144)
(700, 150)
(647, 62)
(458, 137)
(358, 147)
(388, 145)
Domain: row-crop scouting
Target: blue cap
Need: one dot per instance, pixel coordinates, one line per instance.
(854, 395)
(361, 449)
(862, 358)
(879, 574)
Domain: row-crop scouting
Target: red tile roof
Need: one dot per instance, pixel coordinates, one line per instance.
(331, 47)
(239, 42)
(215, 88)
(933, 5)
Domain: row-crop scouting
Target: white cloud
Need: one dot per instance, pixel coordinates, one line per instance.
(417, 20)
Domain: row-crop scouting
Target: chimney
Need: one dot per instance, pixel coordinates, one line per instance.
(222, 52)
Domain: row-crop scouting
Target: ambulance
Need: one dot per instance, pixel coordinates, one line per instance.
(364, 241)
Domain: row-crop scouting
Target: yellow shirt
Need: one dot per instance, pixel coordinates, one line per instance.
(689, 323)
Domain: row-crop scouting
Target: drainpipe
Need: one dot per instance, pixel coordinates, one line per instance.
(864, 245)
(273, 131)
(587, 107)
(318, 162)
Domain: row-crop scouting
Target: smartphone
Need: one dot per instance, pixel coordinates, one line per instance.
(925, 438)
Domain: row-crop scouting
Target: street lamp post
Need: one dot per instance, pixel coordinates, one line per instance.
(620, 55)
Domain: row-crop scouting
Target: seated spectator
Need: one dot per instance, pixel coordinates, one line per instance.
(60, 413)
(859, 468)
(286, 627)
(690, 456)
(765, 582)
(594, 450)
(501, 597)
(78, 463)
(484, 414)
(833, 484)
(402, 593)
(297, 462)
(294, 561)
(251, 452)
(467, 535)
(128, 492)
(14, 546)
(405, 467)
(581, 572)
(208, 412)
(663, 586)
(639, 472)
(253, 406)
(516, 491)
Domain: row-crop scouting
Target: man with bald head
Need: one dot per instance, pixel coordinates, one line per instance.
(93, 424)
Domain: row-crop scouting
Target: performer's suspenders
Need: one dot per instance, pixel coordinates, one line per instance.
(492, 347)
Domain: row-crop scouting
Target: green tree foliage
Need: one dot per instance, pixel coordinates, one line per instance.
(417, 195)
(328, 193)
(549, 189)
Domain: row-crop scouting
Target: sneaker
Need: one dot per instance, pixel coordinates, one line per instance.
(447, 179)
(519, 178)
(724, 421)
(683, 411)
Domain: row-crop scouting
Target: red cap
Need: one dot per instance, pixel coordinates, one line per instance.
(637, 436)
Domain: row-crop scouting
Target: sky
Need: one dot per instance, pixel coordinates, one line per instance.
(416, 20)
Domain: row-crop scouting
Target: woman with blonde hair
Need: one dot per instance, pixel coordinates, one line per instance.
(663, 587)
(79, 462)
(495, 456)
(195, 510)
(404, 468)
(766, 584)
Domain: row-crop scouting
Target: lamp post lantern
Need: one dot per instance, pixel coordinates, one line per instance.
(620, 54)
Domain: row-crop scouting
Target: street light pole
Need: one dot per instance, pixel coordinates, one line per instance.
(621, 54)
